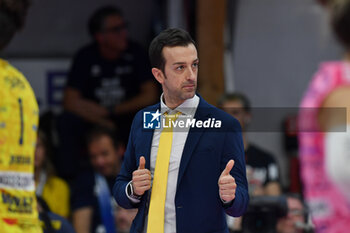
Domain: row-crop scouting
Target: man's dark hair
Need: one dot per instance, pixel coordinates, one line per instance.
(299, 197)
(12, 17)
(236, 96)
(295, 196)
(97, 19)
(340, 21)
(170, 37)
(98, 132)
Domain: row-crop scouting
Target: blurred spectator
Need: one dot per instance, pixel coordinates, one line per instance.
(50, 222)
(276, 214)
(109, 81)
(324, 135)
(295, 220)
(262, 168)
(51, 188)
(92, 202)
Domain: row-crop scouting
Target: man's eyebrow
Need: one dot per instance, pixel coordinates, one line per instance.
(182, 63)
(179, 63)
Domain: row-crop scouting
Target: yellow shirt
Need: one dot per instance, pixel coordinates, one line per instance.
(56, 195)
(18, 130)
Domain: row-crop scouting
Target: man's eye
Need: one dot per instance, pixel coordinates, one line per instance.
(180, 68)
(195, 65)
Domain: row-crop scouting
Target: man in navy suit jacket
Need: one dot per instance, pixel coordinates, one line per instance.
(206, 177)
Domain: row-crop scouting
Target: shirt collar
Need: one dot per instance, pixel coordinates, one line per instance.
(188, 107)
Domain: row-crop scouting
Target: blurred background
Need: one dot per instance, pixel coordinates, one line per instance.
(267, 50)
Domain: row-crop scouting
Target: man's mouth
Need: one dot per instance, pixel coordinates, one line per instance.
(189, 86)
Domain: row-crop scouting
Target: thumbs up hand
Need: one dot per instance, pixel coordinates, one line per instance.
(227, 184)
(141, 178)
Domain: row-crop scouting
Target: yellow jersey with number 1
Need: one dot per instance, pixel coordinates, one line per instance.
(19, 116)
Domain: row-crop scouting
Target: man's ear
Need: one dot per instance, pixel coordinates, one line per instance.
(158, 75)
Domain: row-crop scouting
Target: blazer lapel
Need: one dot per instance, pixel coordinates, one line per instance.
(147, 141)
(147, 136)
(193, 138)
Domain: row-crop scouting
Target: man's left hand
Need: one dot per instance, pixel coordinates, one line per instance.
(227, 184)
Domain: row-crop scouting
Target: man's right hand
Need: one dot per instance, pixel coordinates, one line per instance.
(141, 178)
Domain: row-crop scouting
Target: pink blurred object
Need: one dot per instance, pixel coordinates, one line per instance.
(330, 211)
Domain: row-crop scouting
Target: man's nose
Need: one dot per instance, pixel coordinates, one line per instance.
(191, 74)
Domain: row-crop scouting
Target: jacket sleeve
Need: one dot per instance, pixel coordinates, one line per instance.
(125, 174)
(234, 149)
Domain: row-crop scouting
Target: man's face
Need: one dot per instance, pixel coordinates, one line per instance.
(104, 156)
(114, 33)
(295, 215)
(235, 109)
(179, 80)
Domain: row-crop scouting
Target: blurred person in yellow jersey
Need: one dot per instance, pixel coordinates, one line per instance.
(18, 131)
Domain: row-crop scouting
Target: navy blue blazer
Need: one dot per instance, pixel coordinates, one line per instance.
(205, 155)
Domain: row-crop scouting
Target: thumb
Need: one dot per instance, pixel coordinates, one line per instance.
(228, 167)
(142, 163)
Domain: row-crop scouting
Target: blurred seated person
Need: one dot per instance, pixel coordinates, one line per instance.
(92, 202)
(296, 218)
(111, 75)
(276, 214)
(262, 168)
(109, 81)
(50, 222)
(52, 189)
